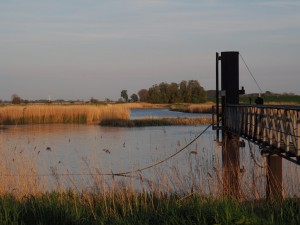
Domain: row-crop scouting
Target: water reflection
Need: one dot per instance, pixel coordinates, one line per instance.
(65, 154)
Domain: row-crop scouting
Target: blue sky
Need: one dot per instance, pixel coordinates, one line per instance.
(78, 49)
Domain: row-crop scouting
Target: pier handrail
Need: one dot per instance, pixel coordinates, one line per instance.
(269, 126)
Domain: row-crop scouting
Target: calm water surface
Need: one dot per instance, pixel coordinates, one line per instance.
(80, 149)
(74, 151)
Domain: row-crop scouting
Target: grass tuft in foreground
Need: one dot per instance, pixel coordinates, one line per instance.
(142, 208)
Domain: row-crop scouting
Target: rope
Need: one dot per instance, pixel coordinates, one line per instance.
(121, 174)
(253, 156)
(251, 73)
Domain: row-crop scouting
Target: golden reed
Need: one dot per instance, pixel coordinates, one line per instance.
(201, 108)
(38, 114)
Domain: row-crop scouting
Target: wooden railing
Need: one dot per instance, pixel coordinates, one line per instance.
(273, 127)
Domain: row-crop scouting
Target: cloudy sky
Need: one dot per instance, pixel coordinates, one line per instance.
(78, 49)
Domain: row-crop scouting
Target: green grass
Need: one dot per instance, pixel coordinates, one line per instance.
(281, 99)
(143, 208)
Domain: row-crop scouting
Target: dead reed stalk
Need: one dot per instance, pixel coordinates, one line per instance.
(42, 114)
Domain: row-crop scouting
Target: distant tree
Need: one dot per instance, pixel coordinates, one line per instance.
(164, 92)
(173, 91)
(143, 94)
(94, 100)
(108, 100)
(124, 95)
(190, 91)
(154, 94)
(268, 93)
(134, 97)
(182, 90)
(15, 99)
(195, 93)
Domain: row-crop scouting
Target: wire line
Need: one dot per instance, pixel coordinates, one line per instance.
(250, 73)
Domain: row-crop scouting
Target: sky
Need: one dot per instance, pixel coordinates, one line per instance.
(79, 49)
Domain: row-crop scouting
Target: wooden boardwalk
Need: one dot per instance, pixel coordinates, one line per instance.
(275, 129)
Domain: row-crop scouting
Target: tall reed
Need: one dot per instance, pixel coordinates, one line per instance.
(193, 108)
(41, 114)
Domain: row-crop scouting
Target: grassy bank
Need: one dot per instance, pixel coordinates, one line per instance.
(126, 207)
(273, 99)
(45, 114)
(193, 108)
(155, 122)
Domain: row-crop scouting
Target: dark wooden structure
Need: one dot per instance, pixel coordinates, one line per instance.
(275, 129)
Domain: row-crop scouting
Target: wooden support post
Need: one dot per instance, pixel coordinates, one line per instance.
(217, 97)
(274, 177)
(230, 165)
(230, 142)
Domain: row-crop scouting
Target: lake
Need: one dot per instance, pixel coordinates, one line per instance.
(76, 156)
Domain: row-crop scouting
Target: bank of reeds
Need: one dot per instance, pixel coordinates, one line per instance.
(156, 122)
(45, 114)
(193, 108)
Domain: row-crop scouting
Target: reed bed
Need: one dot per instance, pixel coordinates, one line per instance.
(156, 122)
(140, 105)
(193, 108)
(44, 114)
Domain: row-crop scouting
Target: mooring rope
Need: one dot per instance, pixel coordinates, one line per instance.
(253, 156)
(251, 73)
(121, 174)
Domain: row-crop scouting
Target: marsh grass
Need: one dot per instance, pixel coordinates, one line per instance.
(47, 114)
(193, 108)
(143, 208)
(155, 122)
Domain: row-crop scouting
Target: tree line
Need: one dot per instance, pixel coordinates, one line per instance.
(186, 91)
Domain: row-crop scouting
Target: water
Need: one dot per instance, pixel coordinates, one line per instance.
(75, 156)
(80, 149)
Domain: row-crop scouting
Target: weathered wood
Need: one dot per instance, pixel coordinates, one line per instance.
(274, 177)
(276, 127)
